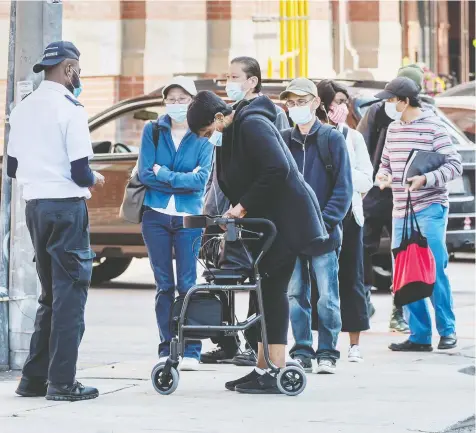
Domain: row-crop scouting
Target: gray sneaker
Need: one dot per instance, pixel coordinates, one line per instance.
(397, 322)
(326, 366)
(246, 359)
(304, 361)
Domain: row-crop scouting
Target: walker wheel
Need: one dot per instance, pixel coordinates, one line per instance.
(292, 380)
(164, 384)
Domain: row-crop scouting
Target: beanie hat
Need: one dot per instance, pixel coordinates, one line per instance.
(414, 72)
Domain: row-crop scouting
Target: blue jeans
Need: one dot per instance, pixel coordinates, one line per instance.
(325, 268)
(432, 221)
(164, 234)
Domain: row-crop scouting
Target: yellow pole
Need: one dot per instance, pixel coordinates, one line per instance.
(291, 39)
(302, 41)
(270, 67)
(282, 38)
(306, 38)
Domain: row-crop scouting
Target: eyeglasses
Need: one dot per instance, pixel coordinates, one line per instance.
(298, 103)
(181, 100)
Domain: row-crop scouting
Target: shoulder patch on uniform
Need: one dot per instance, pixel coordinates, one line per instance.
(74, 101)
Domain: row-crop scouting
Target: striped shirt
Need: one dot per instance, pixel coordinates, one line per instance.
(425, 133)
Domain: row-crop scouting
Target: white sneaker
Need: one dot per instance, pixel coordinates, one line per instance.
(189, 364)
(326, 366)
(354, 354)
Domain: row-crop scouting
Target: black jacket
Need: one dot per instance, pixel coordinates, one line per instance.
(256, 169)
(373, 126)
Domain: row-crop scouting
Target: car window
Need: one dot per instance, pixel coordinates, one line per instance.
(466, 89)
(122, 134)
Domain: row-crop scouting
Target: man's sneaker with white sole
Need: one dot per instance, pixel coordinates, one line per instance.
(326, 366)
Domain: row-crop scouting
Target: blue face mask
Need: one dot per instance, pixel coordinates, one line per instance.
(235, 91)
(77, 91)
(216, 138)
(177, 112)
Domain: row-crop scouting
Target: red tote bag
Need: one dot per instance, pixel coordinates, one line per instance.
(414, 273)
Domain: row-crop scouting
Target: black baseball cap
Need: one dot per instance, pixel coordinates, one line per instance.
(55, 53)
(400, 86)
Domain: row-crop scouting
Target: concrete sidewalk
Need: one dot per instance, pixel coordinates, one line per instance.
(389, 392)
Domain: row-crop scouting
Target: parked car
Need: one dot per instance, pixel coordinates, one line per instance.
(464, 89)
(461, 110)
(116, 134)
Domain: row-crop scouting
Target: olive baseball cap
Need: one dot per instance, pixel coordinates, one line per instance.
(300, 87)
(413, 71)
(400, 86)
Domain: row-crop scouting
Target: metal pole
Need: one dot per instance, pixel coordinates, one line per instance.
(282, 38)
(38, 23)
(291, 39)
(6, 201)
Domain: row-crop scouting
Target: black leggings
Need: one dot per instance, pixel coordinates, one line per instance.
(276, 303)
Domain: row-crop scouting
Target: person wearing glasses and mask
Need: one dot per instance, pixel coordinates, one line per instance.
(243, 83)
(321, 154)
(258, 174)
(353, 294)
(175, 171)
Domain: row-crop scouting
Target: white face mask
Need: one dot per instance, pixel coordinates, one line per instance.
(391, 111)
(216, 138)
(300, 115)
(177, 112)
(235, 91)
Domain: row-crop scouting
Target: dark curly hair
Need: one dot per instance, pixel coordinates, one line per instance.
(203, 109)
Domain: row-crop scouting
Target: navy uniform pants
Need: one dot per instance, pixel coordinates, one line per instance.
(59, 230)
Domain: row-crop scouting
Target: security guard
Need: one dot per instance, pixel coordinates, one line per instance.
(48, 153)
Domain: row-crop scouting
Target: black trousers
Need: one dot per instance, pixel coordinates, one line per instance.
(352, 292)
(276, 308)
(59, 230)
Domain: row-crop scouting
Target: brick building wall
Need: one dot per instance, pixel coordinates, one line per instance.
(132, 47)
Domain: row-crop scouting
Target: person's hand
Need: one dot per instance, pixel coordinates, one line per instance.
(416, 183)
(156, 168)
(385, 180)
(98, 179)
(235, 212)
(196, 170)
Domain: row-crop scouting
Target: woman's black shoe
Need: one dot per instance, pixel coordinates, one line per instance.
(409, 346)
(32, 387)
(75, 392)
(231, 386)
(263, 384)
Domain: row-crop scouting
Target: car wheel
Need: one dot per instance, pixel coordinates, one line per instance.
(108, 268)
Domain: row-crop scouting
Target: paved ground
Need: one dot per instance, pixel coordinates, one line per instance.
(389, 392)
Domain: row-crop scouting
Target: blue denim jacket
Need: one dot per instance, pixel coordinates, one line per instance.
(176, 176)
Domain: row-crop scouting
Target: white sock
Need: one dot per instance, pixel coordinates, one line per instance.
(260, 371)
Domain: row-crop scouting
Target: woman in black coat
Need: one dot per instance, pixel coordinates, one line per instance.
(260, 178)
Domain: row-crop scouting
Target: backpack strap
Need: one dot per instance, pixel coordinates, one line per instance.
(323, 149)
(155, 134)
(345, 131)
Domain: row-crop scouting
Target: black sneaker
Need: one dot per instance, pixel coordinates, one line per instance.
(263, 384)
(409, 346)
(32, 387)
(215, 356)
(246, 359)
(230, 386)
(304, 361)
(75, 392)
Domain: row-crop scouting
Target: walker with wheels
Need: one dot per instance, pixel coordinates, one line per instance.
(197, 315)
